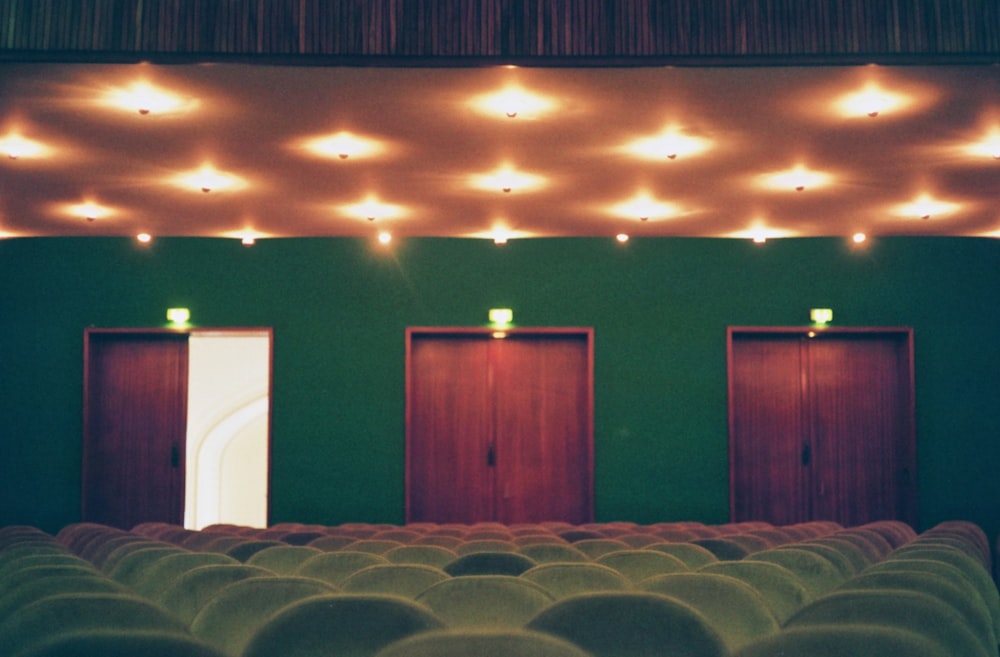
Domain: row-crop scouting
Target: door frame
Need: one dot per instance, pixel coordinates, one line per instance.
(168, 331)
(443, 331)
(902, 332)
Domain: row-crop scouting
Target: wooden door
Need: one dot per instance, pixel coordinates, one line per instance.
(821, 425)
(499, 429)
(135, 413)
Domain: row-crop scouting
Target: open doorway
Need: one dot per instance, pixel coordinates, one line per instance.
(176, 426)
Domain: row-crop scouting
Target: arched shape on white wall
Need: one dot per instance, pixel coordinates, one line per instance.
(228, 428)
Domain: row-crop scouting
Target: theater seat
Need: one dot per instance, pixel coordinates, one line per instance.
(119, 643)
(160, 575)
(283, 559)
(335, 567)
(912, 611)
(552, 552)
(637, 565)
(485, 600)
(489, 563)
(566, 579)
(340, 626)
(693, 555)
(406, 580)
(733, 608)
(66, 613)
(427, 555)
(783, 591)
(630, 624)
(962, 599)
(843, 640)
(190, 591)
(234, 614)
(482, 643)
(816, 572)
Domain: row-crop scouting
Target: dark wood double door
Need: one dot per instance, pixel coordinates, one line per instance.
(822, 425)
(499, 428)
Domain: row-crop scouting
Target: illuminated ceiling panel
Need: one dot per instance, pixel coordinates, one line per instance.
(313, 151)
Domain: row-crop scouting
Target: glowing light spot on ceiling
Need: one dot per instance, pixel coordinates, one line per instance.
(343, 145)
(872, 101)
(513, 102)
(988, 147)
(373, 209)
(760, 233)
(859, 238)
(644, 207)
(925, 207)
(14, 146)
(89, 210)
(384, 237)
(621, 237)
(669, 144)
(507, 179)
(146, 98)
(798, 178)
(144, 238)
(209, 179)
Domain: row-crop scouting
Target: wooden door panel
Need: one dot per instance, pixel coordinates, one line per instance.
(853, 414)
(542, 417)
(499, 429)
(767, 430)
(860, 413)
(134, 428)
(450, 430)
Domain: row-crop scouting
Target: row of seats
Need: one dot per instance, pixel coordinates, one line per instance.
(603, 589)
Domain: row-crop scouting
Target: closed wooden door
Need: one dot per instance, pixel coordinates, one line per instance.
(499, 429)
(135, 414)
(821, 425)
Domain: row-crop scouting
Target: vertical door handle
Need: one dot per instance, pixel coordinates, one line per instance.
(491, 456)
(806, 453)
(175, 455)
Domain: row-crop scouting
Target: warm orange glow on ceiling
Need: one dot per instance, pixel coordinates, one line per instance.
(644, 207)
(798, 178)
(706, 145)
(343, 145)
(760, 233)
(667, 145)
(507, 179)
(513, 102)
(988, 147)
(372, 209)
(14, 146)
(209, 179)
(146, 98)
(89, 210)
(925, 207)
(872, 101)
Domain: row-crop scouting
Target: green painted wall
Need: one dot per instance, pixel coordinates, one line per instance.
(659, 308)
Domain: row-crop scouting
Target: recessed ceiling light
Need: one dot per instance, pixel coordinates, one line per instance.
(144, 238)
(925, 207)
(859, 238)
(372, 209)
(209, 179)
(798, 178)
(621, 237)
(343, 145)
(989, 146)
(15, 146)
(871, 101)
(513, 101)
(146, 98)
(384, 237)
(89, 210)
(642, 206)
(507, 179)
(669, 144)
